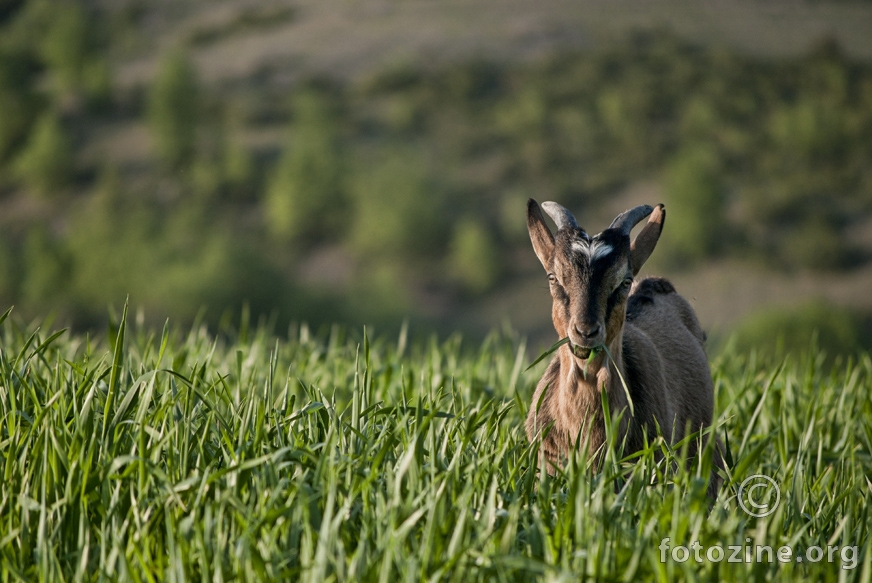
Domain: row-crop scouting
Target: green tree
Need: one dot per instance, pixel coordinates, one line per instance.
(816, 242)
(8, 272)
(838, 330)
(695, 203)
(809, 131)
(237, 166)
(172, 263)
(46, 164)
(397, 205)
(174, 111)
(223, 165)
(18, 102)
(474, 256)
(46, 268)
(114, 247)
(306, 193)
(65, 48)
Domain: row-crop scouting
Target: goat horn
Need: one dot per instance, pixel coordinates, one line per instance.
(560, 215)
(630, 218)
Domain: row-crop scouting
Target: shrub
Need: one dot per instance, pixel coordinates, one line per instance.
(166, 259)
(8, 272)
(305, 195)
(817, 243)
(397, 208)
(65, 46)
(174, 111)
(46, 164)
(838, 330)
(46, 269)
(694, 196)
(18, 102)
(810, 131)
(474, 256)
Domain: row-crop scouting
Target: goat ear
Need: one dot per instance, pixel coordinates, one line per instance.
(540, 234)
(644, 243)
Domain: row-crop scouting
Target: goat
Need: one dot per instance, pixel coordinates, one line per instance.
(620, 331)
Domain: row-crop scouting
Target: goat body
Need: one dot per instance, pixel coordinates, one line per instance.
(643, 332)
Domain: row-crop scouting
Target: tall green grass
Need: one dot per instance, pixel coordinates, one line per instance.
(249, 456)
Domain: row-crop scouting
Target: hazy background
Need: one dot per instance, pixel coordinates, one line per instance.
(369, 161)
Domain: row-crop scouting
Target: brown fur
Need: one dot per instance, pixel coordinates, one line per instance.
(651, 332)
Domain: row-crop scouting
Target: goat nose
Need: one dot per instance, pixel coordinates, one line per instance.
(588, 332)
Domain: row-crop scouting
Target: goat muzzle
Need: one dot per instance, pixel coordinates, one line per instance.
(585, 338)
(581, 351)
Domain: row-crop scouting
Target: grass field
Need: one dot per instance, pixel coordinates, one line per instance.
(251, 456)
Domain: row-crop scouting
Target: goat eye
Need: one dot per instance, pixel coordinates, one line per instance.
(552, 278)
(627, 282)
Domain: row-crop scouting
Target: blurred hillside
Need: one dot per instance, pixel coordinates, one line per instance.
(370, 161)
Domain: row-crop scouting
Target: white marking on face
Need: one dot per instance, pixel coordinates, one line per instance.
(593, 249)
(599, 249)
